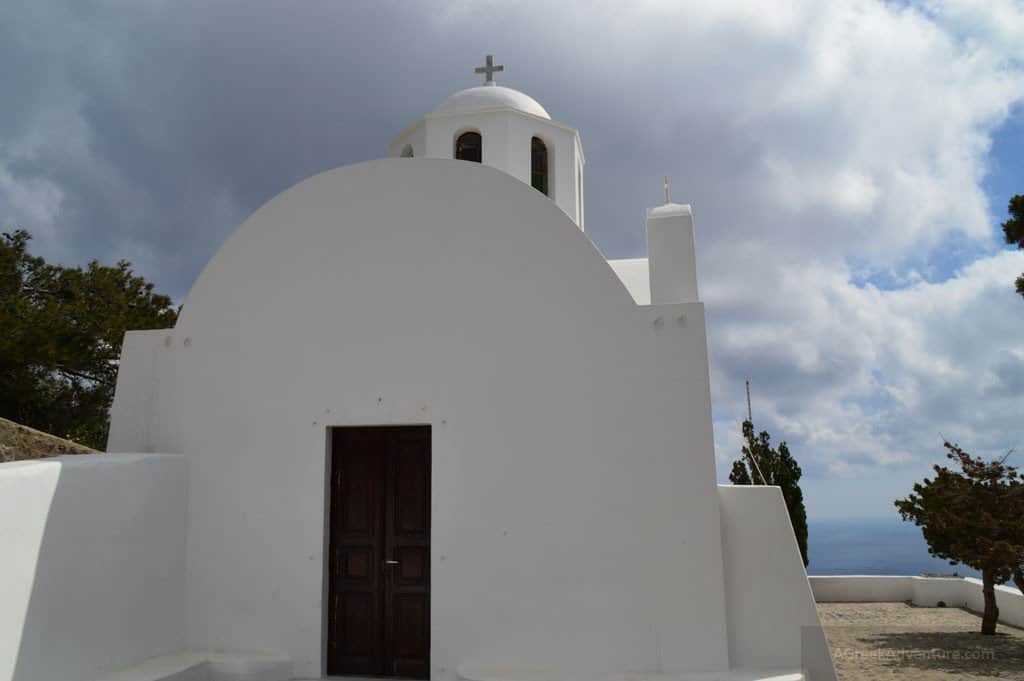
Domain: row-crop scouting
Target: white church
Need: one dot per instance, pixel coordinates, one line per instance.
(411, 423)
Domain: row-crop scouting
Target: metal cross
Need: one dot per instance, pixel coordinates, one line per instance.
(489, 70)
(667, 199)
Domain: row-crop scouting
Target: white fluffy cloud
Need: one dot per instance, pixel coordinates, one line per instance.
(865, 383)
(875, 376)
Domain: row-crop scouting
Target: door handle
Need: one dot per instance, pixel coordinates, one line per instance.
(391, 562)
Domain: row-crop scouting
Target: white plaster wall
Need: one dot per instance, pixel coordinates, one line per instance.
(921, 591)
(773, 621)
(506, 146)
(634, 274)
(880, 589)
(1009, 600)
(928, 591)
(415, 136)
(575, 515)
(93, 564)
(671, 254)
(132, 411)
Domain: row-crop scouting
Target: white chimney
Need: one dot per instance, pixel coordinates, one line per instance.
(670, 251)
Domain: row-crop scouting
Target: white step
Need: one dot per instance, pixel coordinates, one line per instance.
(510, 674)
(178, 667)
(249, 667)
(207, 666)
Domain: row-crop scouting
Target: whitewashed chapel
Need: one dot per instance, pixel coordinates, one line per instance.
(418, 426)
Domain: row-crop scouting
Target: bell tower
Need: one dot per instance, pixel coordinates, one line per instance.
(505, 129)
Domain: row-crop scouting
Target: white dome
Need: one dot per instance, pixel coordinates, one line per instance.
(485, 97)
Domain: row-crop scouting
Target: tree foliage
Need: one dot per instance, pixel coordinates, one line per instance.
(760, 464)
(1013, 230)
(973, 516)
(61, 340)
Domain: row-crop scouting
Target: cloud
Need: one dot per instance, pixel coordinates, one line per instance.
(827, 149)
(856, 370)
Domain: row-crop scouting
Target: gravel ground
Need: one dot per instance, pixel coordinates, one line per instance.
(872, 641)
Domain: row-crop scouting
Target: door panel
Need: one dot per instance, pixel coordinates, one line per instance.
(379, 562)
(356, 615)
(407, 528)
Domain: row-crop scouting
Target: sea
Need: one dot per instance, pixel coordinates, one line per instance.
(875, 546)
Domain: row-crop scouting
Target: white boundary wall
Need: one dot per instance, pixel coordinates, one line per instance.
(93, 564)
(773, 622)
(922, 591)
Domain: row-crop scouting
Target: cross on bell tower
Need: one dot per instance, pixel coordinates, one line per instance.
(489, 70)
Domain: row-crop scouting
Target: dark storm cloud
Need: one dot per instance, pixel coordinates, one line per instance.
(194, 115)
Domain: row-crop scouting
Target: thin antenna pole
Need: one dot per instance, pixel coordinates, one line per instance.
(750, 416)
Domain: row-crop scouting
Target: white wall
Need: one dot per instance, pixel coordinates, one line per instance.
(634, 273)
(671, 254)
(773, 622)
(921, 591)
(132, 410)
(1009, 600)
(506, 136)
(880, 589)
(575, 518)
(93, 564)
(414, 136)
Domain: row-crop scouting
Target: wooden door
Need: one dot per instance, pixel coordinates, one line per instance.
(379, 562)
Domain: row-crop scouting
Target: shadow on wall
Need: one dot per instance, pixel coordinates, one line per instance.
(93, 569)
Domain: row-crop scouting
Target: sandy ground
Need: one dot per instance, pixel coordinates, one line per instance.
(18, 442)
(898, 641)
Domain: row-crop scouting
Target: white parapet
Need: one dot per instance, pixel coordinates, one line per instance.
(925, 592)
(670, 249)
(93, 565)
(773, 622)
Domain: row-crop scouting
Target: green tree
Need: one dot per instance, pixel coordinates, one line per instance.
(973, 516)
(61, 340)
(760, 464)
(1013, 230)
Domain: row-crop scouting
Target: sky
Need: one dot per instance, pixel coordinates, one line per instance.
(848, 164)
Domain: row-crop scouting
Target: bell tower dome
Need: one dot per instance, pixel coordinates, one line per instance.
(505, 129)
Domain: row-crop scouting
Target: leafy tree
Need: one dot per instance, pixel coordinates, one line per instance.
(61, 339)
(973, 516)
(760, 464)
(1013, 230)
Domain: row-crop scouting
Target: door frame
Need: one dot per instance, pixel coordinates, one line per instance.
(325, 568)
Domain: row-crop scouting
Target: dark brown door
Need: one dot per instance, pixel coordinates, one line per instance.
(379, 564)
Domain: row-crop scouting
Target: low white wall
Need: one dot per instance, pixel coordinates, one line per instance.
(1009, 600)
(921, 591)
(93, 564)
(772, 620)
(887, 589)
